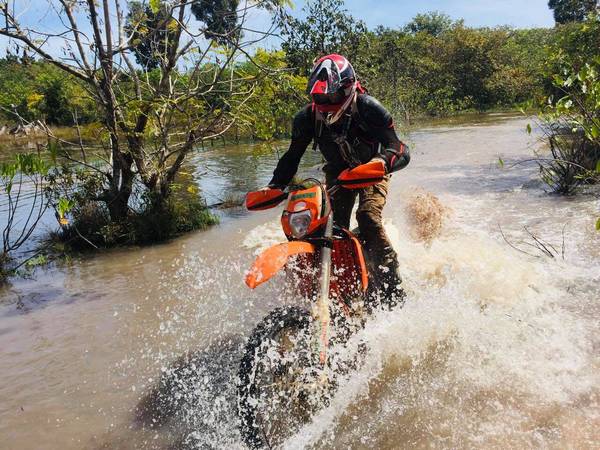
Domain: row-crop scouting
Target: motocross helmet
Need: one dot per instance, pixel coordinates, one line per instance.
(332, 84)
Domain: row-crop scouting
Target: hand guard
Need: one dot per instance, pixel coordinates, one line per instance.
(363, 176)
(264, 199)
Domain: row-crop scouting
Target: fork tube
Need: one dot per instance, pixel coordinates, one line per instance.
(323, 301)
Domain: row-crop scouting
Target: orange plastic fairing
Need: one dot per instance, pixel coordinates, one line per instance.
(311, 199)
(350, 275)
(363, 176)
(272, 261)
(362, 264)
(264, 199)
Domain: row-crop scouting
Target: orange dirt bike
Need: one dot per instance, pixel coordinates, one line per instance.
(287, 371)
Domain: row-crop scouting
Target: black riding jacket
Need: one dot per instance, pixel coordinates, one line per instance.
(366, 130)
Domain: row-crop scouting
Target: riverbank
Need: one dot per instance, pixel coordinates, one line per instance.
(90, 133)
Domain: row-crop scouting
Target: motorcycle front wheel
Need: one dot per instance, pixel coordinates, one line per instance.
(280, 387)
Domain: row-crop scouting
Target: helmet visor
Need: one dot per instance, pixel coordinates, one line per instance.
(329, 99)
(324, 79)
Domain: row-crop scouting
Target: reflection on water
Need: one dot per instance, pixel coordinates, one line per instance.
(227, 173)
(137, 348)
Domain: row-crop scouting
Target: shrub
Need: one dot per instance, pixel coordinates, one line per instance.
(160, 221)
(90, 224)
(569, 168)
(572, 114)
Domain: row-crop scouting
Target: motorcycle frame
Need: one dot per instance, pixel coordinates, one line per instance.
(359, 177)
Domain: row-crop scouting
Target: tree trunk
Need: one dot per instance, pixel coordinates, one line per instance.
(118, 197)
(118, 206)
(121, 183)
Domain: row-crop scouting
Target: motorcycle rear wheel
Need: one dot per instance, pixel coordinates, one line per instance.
(279, 388)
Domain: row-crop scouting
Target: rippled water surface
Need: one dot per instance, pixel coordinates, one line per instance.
(496, 347)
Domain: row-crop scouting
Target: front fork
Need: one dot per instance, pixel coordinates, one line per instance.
(321, 310)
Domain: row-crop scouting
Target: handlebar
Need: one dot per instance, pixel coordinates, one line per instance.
(358, 177)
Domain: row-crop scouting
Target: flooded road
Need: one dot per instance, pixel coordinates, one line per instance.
(497, 346)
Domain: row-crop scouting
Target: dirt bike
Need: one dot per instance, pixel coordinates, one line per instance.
(286, 373)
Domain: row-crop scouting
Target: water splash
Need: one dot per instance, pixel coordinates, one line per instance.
(492, 349)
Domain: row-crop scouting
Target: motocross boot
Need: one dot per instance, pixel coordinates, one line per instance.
(391, 293)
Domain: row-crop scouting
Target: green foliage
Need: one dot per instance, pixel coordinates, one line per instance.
(86, 222)
(572, 112)
(64, 206)
(275, 99)
(566, 11)
(38, 90)
(443, 72)
(154, 6)
(433, 65)
(158, 222)
(28, 164)
(91, 226)
(327, 28)
(569, 166)
(219, 18)
(21, 216)
(581, 102)
(575, 45)
(433, 23)
(4, 269)
(150, 28)
(36, 261)
(576, 78)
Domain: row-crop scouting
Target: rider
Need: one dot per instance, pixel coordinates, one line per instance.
(350, 128)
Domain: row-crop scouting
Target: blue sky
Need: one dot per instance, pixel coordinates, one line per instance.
(477, 13)
(395, 13)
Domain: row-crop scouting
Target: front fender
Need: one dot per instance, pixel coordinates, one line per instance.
(272, 261)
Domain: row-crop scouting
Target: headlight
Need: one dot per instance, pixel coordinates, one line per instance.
(299, 222)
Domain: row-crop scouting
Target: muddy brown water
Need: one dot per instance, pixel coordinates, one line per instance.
(495, 348)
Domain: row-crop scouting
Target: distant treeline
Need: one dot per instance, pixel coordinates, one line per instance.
(432, 66)
(37, 90)
(455, 68)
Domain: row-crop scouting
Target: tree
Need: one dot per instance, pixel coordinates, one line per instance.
(155, 114)
(151, 31)
(572, 112)
(327, 28)
(220, 17)
(566, 11)
(278, 97)
(38, 90)
(433, 23)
